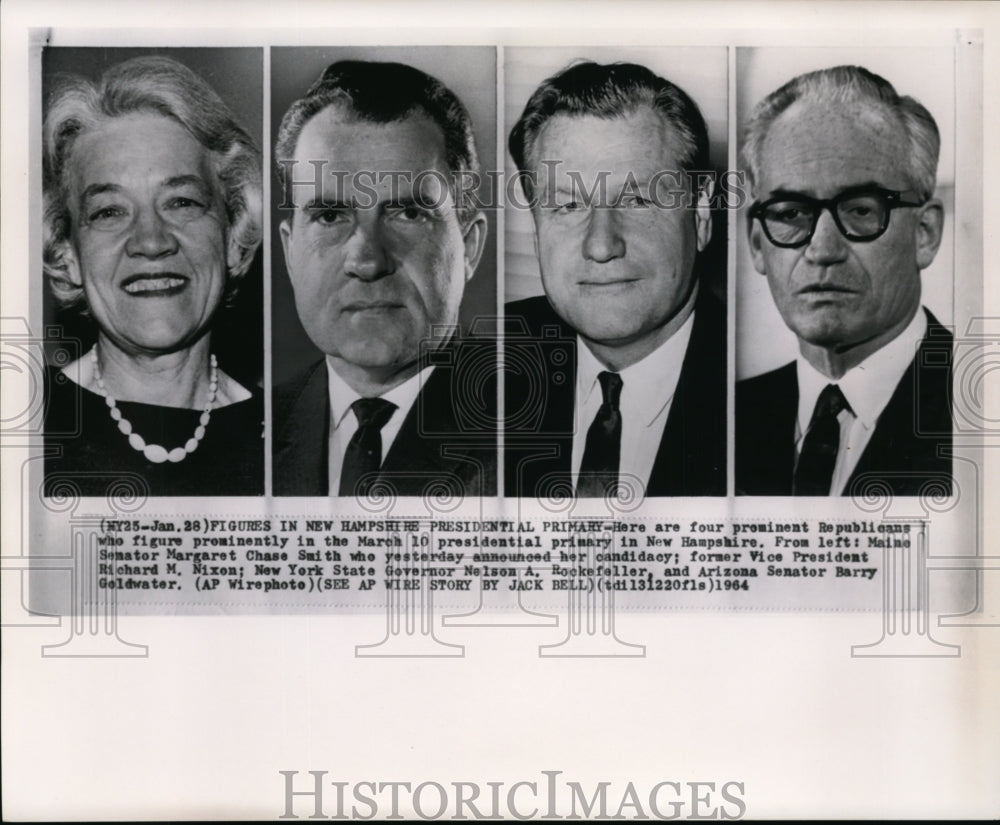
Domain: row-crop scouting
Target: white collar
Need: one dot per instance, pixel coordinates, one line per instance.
(868, 386)
(342, 395)
(647, 385)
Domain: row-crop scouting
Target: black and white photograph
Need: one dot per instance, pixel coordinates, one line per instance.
(850, 161)
(385, 271)
(152, 222)
(615, 325)
(547, 411)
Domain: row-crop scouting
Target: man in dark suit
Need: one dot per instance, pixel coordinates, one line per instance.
(616, 377)
(843, 171)
(377, 162)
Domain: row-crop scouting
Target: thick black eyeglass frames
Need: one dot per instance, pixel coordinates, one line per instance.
(861, 214)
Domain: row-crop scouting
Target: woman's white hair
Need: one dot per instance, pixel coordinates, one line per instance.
(161, 86)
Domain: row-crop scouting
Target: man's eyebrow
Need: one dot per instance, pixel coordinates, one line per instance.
(405, 201)
(321, 203)
(854, 187)
(788, 193)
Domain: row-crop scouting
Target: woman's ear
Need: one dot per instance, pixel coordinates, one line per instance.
(237, 259)
(70, 262)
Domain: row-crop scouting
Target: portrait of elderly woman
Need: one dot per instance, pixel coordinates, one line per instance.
(152, 196)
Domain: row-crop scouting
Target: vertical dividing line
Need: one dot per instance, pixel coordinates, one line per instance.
(906, 579)
(954, 202)
(36, 290)
(266, 252)
(923, 594)
(593, 595)
(32, 509)
(499, 204)
(731, 286)
(79, 582)
(573, 604)
(886, 590)
(91, 589)
(394, 608)
(426, 606)
(892, 588)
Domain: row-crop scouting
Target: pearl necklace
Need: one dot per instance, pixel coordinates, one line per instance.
(154, 452)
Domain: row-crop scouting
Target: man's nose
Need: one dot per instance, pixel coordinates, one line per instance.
(367, 256)
(827, 245)
(603, 241)
(151, 236)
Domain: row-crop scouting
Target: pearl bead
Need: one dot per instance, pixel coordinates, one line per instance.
(155, 453)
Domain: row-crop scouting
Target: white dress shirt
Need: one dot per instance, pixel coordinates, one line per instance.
(343, 423)
(867, 388)
(648, 388)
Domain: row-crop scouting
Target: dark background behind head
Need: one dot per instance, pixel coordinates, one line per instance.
(236, 75)
(470, 72)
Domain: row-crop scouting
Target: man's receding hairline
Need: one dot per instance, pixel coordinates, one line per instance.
(878, 114)
(668, 129)
(353, 118)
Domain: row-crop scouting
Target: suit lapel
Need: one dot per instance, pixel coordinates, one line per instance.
(766, 409)
(915, 422)
(549, 466)
(691, 459)
(432, 446)
(417, 449)
(301, 446)
(539, 394)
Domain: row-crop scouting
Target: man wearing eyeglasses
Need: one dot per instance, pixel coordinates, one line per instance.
(844, 219)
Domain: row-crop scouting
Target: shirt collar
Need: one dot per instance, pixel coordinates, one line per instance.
(647, 385)
(342, 395)
(868, 386)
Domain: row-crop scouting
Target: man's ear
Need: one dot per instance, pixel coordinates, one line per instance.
(929, 229)
(703, 214)
(756, 237)
(474, 238)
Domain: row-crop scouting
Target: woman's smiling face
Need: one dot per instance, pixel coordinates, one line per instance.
(149, 232)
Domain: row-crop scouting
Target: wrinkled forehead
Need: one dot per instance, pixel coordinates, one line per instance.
(639, 143)
(139, 151)
(347, 153)
(820, 148)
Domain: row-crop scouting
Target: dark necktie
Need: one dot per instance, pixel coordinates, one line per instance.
(814, 471)
(364, 451)
(599, 468)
